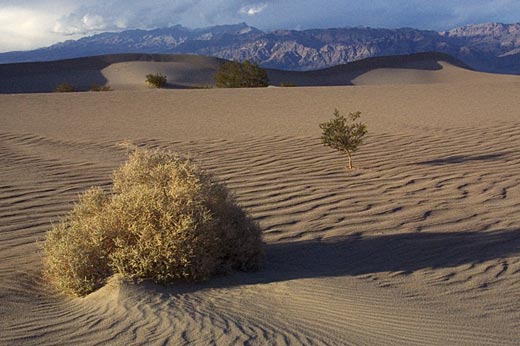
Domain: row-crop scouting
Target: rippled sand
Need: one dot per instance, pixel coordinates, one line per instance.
(420, 245)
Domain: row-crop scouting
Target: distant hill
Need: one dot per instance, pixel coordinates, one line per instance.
(491, 47)
(128, 71)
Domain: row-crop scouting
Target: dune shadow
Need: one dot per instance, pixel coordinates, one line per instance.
(43, 77)
(357, 255)
(174, 86)
(345, 74)
(462, 159)
(179, 86)
(82, 73)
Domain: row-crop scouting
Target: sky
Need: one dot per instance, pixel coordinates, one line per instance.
(29, 24)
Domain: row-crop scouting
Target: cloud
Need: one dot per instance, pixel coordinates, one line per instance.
(74, 24)
(253, 10)
(25, 28)
(28, 24)
(422, 14)
(113, 15)
(478, 11)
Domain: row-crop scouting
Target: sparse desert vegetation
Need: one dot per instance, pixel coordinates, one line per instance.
(233, 74)
(156, 80)
(345, 134)
(165, 220)
(65, 88)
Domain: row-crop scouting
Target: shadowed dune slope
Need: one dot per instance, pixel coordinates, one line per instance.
(120, 71)
(128, 71)
(420, 245)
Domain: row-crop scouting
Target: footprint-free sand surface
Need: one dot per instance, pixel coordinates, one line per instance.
(420, 245)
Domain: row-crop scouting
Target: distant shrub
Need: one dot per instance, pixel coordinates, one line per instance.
(165, 220)
(96, 87)
(288, 84)
(65, 88)
(233, 74)
(344, 134)
(156, 80)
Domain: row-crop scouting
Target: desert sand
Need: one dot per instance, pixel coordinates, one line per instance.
(420, 245)
(127, 72)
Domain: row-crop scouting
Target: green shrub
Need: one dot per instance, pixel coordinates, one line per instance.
(165, 220)
(96, 87)
(233, 74)
(65, 88)
(156, 80)
(344, 134)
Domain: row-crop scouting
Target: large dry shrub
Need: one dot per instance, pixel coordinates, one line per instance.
(165, 220)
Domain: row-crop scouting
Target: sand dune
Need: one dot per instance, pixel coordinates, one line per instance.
(418, 246)
(120, 71)
(128, 71)
(420, 68)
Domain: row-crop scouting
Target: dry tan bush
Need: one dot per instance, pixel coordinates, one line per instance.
(165, 220)
(77, 247)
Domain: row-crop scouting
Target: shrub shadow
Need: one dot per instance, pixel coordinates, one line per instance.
(357, 255)
(462, 159)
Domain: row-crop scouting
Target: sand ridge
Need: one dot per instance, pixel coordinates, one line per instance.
(419, 245)
(128, 72)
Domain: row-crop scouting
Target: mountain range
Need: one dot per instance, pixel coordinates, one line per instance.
(490, 47)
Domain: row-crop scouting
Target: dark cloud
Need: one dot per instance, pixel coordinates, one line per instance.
(423, 14)
(122, 14)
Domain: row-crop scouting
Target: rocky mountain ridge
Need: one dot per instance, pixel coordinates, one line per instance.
(491, 47)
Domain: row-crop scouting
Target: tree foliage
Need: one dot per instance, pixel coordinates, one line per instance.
(156, 80)
(233, 74)
(345, 134)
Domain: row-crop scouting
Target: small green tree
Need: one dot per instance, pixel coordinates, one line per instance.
(233, 74)
(344, 133)
(156, 80)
